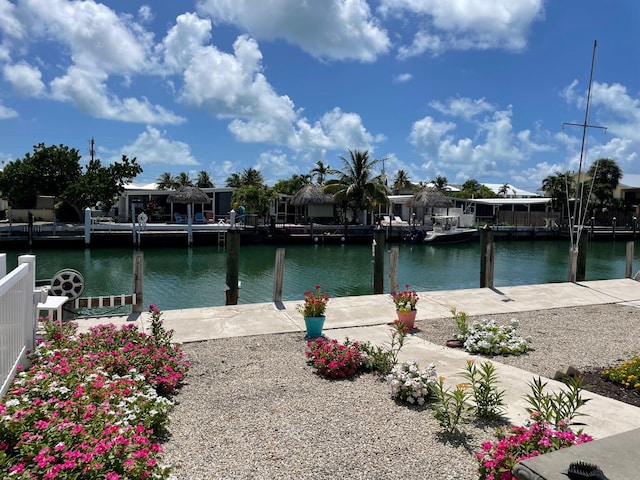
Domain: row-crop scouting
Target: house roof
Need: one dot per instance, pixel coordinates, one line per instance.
(511, 201)
(511, 190)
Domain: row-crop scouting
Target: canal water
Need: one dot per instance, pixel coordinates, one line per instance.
(177, 278)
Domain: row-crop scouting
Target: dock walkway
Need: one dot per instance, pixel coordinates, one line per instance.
(366, 318)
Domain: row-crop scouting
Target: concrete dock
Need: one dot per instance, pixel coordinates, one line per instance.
(366, 318)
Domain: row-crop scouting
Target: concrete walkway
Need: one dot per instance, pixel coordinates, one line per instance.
(366, 318)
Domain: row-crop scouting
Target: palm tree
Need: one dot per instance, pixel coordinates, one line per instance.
(401, 181)
(559, 187)
(166, 181)
(320, 171)
(204, 180)
(440, 182)
(356, 187)
(606, 175)
(251, 178)
(233, 181)
(182, 179)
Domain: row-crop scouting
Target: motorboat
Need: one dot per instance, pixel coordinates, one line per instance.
(447, 229)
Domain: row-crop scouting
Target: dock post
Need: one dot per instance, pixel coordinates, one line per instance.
(581, 265)
(378, 268)
(613, 227)
(487, 253)
(87, 227)
(138, 283)
(279, 276)
(393, 268)
(629, 263)
(233, 265)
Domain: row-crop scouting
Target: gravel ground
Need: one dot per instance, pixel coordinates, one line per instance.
(253, 409)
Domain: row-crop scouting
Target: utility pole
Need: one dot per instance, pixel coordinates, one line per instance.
(92, 151)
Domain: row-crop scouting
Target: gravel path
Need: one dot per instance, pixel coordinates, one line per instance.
(253, 409)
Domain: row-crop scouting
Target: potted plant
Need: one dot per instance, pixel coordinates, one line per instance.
(313, 309)
(405, 301)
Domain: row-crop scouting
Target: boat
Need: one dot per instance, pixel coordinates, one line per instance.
(447, 229)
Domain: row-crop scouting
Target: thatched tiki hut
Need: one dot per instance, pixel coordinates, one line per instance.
(314, 203)
(189, 195)
(427, 199)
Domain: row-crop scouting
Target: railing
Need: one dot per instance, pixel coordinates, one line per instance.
(17, 317)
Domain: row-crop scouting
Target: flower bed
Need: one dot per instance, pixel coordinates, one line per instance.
(90, 406)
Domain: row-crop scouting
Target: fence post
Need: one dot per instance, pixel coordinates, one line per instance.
(30, 304)
(629, 263)
(233, 265)
(279, 276)
(393, 268)
(138, 284)
(378, 268)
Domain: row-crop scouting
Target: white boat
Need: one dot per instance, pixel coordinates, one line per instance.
(447, 229)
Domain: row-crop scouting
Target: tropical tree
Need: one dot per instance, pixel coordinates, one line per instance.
(474, 189)
(165, 181)
(504, 190)
(182, 180)
(320, 172)
(293, 184)
(252, 177)
(204, 180)
(233, 180)
(606, 175)
(440, 182)
(559, 187)
(56, 171)
(356, 186)
(255, 199)
(401, 181)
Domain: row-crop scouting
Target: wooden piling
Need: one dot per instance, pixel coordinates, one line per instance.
(378, 268)
(629, 262)
(138, 283)
(393, 268)
(233, 266)
(279, 275)
(487, 253)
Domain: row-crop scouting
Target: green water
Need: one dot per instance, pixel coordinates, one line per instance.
(195, 277)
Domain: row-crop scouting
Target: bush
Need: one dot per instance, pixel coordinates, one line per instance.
(489, 338)
(412, 385)
(627, 374)
(333, 359)
(89, 406)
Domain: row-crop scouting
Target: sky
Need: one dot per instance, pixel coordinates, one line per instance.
(465, 89)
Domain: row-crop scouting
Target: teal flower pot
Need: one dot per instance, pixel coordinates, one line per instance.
(314, 326)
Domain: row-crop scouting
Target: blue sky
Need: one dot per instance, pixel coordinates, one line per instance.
(462, 88)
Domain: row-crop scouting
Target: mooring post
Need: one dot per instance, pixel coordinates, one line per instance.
(378, 268)
(138, 283)
(30, 232)
(233, 265)
(393, 268)
(87, 226)
(279, 276)
(629, 264)
(613, 227)
(486, 257)
(581, 265)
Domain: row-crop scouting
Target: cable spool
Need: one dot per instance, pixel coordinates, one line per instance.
(68, 283)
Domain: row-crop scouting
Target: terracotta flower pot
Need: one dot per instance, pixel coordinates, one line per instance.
(408, 319)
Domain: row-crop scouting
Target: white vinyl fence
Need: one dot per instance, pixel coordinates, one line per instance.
(17, 316)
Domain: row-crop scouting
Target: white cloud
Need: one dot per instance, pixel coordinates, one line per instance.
(25, 79)
(402, 78)
(331, 29)
(495, 146)
(96, 36)
(466, 24)
(6, 112)
(10, 24)
(152, 148)
(463, 107)
(88, 92)
(185, 40)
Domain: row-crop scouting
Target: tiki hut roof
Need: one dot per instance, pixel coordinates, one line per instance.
(313, 194)
(188, 194)
(431, 197)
